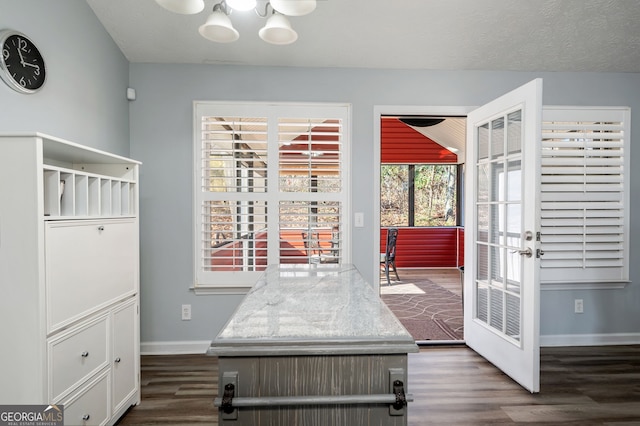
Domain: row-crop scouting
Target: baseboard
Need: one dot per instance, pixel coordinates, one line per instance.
(200, 347)
(174, 348)
(590, 339)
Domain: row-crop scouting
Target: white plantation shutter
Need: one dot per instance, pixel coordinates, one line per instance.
(310, 164)
(268, 178)
(584, 195)
(310, 153)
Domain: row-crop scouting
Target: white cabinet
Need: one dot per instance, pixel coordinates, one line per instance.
(95, 260)
(69, 273)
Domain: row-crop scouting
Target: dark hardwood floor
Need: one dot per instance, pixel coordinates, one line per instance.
(450, 386)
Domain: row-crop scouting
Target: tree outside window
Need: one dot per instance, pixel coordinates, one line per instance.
(418, 195)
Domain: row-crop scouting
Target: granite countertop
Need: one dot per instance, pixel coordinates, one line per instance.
(326, 309)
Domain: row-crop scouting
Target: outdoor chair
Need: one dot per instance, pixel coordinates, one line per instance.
(388, 258)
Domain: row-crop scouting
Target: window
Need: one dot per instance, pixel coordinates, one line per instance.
(418, 195)
(271, 186)
(584, 195)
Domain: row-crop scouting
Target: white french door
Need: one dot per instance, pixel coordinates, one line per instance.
(501, 288)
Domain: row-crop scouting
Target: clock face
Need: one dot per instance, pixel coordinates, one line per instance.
(22, 65)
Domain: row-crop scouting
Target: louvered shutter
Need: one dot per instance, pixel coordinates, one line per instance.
(311, 184)
(584, 195)
(270, 188)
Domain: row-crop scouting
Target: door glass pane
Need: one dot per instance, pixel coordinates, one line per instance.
(497, 138)
(483, 223)
(483, 141)
(514, 182)
(483, 183)
(483, 303)
(495, 308)
(483, 266)
(497, 181)
(514, 243)
(497, 261)
(496, 236)
(513, 316)
(514, 226)
(514, 132)
(514, 274)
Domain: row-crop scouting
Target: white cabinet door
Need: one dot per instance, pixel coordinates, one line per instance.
(125, 356)
(89, 264)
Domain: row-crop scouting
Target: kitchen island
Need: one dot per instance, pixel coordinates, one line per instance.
(312, 345)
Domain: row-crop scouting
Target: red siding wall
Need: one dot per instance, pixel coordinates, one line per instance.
(401, 144)
(427, 247)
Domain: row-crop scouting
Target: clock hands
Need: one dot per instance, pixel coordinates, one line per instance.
(22, 61)
(20, 54)
(30, 65)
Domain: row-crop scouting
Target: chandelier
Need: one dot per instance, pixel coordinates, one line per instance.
(218, 26)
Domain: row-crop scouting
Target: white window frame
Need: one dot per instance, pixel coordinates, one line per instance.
(559, 268)
(239, 282)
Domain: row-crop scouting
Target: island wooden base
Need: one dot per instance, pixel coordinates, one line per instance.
(353, 377)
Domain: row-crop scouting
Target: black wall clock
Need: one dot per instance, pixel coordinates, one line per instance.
(21, 64)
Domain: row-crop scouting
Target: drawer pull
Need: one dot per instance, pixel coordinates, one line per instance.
(117, 359)
(84, 354)
(86, 417)
(100, 228)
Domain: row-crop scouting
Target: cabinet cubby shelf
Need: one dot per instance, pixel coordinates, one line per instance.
(77, 194)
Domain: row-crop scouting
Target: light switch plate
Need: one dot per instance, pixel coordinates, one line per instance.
(358, 219)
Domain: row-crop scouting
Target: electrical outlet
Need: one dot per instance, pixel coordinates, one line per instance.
(186, 312)
(578, 306)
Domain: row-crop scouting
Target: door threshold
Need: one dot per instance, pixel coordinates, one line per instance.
(440, 342)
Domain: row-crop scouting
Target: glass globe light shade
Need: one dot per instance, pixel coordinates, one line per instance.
(219, 28)
(278, 30)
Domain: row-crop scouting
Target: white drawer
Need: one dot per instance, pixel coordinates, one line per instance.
(90, 405)
(76, 354)
(89, 264)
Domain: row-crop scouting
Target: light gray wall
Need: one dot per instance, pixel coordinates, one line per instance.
(84, 101)
(161, 137)
(84, 97)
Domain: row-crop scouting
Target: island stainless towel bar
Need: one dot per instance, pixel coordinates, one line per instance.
(312, 400)
(397, 400)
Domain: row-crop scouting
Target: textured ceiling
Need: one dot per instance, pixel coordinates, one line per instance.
(519, 35)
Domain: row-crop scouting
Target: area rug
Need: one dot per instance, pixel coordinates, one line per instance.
(427, 310)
